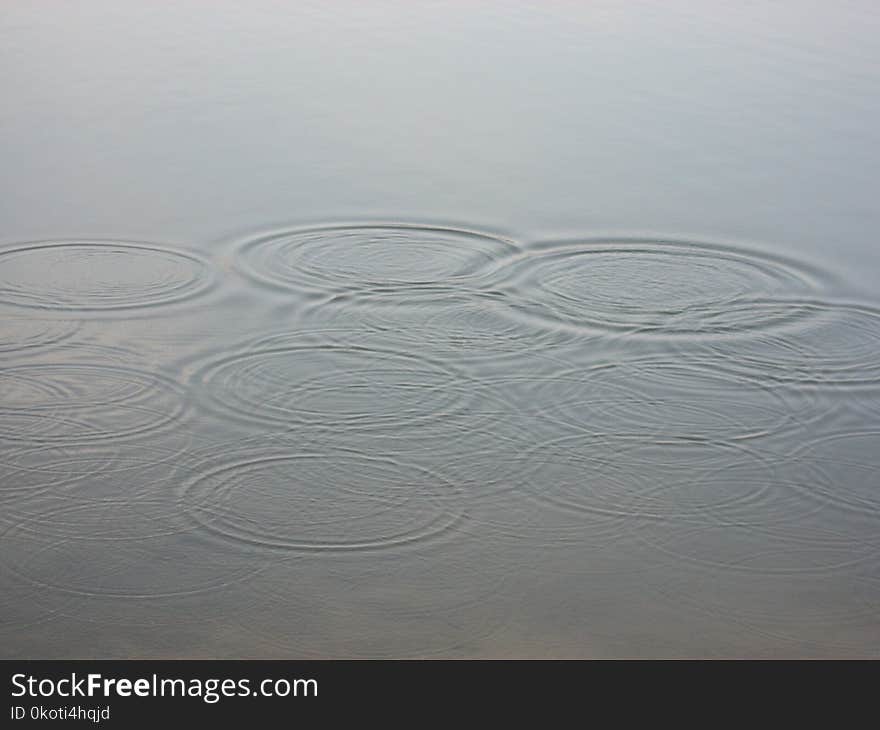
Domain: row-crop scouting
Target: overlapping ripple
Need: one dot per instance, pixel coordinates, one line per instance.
(114, 491)
(838, 345)
(26, 335)
(347, 384)
(457, 326)
(655, 288)
(664, 397)
(849, 459)
(77, 400)
(442, 411)
(667, 480)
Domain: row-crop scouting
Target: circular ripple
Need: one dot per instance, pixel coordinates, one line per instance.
(758, 512)
(98, 275)
(453, 326)
(335, 258)
(851, 463)
(335, 379)
(793, 534)
(321, 501)
(839, 345)
(662, 397)
(656, 288)
(667, 484)
(517, 491)
(82, 401)
(634, 478)
(26, 334)
(117, 491)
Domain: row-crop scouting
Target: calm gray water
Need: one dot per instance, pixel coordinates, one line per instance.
(440, 329)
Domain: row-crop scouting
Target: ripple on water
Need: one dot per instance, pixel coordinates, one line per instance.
(341, 257)
(109, 491)
(291, 499)
(456, 326)
(329, 382)
(30, 334)
(98, 275)
(777, 521)
(628, 488)
(660, 396)
(837, 345)
(664, 480)
(655, 288)
(78, 401)
(851, 464)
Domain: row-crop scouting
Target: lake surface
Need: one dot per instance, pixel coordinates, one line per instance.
(440, 330)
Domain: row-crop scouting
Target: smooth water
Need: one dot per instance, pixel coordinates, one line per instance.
(440, 329)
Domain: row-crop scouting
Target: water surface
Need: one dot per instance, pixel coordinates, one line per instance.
(440, 330)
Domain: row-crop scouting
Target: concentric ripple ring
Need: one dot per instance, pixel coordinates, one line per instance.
(368, 256)
(20, 335)
(839, 346)
(99, 275)
(655, 288)
(660, 396)
(73, 402)
(347, 381)
(282, 499)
